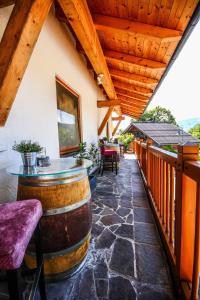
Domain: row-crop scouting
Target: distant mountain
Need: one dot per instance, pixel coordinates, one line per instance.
(189, 123)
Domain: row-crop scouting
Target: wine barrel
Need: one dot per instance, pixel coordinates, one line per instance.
(66, 222)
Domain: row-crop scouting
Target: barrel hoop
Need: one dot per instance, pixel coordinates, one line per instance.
(67, 208)
(49, 182)
(64, 251)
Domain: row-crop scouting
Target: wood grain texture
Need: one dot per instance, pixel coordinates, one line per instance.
(105, 120)
(16, 47)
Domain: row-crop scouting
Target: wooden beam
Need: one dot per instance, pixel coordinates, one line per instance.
(105, 120)
(132, 78)
(118, 118)
(135, 29)
(132, 88)
(132, 104)
(130, 94)
(16, 47)
(132, 108)
(133, 61)
(4, 3)
(107, 103)
(116, 127)
(79, 17)
(132, 113)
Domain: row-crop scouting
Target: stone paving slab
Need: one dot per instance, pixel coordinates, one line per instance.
(126, 260)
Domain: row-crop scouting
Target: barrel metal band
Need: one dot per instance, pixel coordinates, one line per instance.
(67, 208)
(64, 251)
(50, 183)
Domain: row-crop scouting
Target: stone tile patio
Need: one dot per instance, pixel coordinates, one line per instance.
(126, 260)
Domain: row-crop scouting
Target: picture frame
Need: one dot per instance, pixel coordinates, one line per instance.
(68, 118)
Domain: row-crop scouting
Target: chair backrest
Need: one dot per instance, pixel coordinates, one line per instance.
(102, 147)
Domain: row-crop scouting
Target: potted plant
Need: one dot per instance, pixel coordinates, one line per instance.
(28, 152)
(93, 153)
(82, 153)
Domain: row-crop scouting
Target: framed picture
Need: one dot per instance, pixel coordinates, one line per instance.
(68, 114)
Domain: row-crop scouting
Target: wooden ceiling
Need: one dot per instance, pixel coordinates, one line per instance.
(130, 42)
(138, 38)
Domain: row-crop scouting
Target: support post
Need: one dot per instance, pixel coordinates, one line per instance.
(116, 127)
(185, 207)
(105, 120)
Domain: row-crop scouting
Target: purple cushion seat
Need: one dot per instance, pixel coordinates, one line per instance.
(18, 221)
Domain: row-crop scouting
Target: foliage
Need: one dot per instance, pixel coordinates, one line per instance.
(195, 131)
(158, 114)
(27, 146)
(88, 153)
(93, 152)
(126, 139)
(169, 148)
(105, 139)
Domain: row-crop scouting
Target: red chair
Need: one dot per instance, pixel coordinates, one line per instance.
(107, 155)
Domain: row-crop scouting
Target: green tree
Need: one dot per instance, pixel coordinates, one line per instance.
(158, 114)
(195, 131)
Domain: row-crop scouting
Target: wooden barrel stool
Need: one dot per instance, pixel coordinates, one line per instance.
(66, 221)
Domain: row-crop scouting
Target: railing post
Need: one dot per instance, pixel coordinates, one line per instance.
(185, 207)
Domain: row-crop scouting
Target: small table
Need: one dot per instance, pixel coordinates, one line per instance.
(64, 191)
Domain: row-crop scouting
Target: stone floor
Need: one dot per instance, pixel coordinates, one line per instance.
(126, 260)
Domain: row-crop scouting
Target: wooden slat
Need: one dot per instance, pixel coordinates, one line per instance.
(105, 120)
(4, 3)
(132, 104)
(132, 78)
(132, 61)
(131, 94)
(132, 100)
(118, 118)
(107, 103)
(78, 15)
(16, 47)
(132, 88)
(135, 29)
(116, 127)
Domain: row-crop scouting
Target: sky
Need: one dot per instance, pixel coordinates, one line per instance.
(180, 90)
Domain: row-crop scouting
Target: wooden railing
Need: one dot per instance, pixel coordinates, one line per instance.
(173, 185)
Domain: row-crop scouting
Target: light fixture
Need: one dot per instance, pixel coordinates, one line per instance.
(100, 78)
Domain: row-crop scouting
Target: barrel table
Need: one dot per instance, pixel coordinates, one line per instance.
(64, 191)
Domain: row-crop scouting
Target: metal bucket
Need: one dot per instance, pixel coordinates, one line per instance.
(29, 159)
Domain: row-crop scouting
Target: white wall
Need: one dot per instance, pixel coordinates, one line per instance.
(33, 115)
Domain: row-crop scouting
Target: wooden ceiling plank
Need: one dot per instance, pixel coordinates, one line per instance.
(107, 103)
(135, 29)
(132, 88)
(131, 94)
(131, 77)
(16, 47)
(132, 60)
(105, 120)
(79, 17)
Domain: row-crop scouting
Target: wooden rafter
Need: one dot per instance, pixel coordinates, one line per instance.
(132, 88)
(78, 15)
(132, 100)
(134, 113)
(135, 29)
(132, 78)
(133, 61)
(105, 120)
(121, 118)
(131, 107)
(132, 104)
(116, 127)
(16, 47)
(107, 103)
(4, 3)
(130, 94)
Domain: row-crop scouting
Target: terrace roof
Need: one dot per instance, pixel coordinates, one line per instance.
(162, 133)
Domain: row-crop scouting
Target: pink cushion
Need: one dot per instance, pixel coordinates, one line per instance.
(108, 152)
(18, 221)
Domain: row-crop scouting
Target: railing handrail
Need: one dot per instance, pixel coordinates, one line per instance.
(164, 154)
(192, 170)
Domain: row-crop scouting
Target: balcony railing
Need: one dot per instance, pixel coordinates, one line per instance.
(173, 185)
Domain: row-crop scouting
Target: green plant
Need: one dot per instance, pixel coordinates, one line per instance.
(93, 152)
(169, 148)
(126, 139)
(195, 131)
(158, 114)
(27, 146)
(83, 151)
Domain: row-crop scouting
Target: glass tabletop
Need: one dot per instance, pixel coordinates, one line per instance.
(58, 166)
